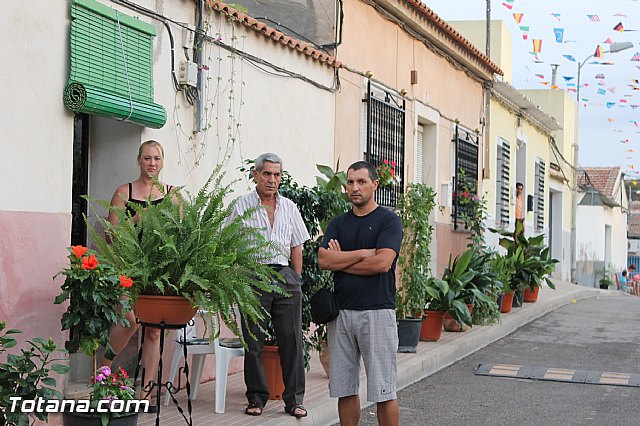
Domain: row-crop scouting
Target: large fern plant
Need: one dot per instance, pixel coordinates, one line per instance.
(188, 246)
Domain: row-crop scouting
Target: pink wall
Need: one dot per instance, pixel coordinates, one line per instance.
(32, 250)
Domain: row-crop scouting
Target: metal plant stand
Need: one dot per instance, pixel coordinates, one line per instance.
(149, 387)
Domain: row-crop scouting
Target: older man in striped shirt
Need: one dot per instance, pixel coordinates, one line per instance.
(280, 222)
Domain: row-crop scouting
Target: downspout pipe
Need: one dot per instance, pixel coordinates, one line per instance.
(198, 56)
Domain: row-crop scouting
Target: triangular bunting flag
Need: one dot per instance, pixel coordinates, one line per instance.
(518, 17)
(599, 53)
(537, 45)
(559, 34)
(619, 27)
(569, 57)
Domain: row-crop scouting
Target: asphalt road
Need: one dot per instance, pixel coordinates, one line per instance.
(595, 334)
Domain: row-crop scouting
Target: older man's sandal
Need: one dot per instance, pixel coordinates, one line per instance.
(253, 409)
(296, 410)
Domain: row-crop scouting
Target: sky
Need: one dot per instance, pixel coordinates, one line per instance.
(609, 111)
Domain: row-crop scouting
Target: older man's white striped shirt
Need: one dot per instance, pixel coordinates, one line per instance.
(288, 227)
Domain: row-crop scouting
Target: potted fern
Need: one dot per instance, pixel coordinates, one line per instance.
(186, 247)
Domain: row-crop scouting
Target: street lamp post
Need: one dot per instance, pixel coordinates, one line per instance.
(613, 48)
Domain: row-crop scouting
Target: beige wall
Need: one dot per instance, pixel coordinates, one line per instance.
(501, 42)
(444, 93)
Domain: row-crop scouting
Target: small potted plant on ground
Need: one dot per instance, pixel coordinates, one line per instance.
(111, 390)
(605, 280)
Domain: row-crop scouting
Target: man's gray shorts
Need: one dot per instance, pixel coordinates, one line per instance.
(373, 335)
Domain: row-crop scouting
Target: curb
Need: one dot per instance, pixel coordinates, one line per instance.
(435, 356)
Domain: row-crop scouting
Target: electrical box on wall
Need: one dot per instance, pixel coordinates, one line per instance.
(188, 35)
(188, 73)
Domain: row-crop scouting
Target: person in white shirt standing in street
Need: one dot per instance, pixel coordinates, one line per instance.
(280, 222)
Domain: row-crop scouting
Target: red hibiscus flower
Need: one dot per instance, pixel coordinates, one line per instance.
(79, 251)
(125, 281)
(89, 263)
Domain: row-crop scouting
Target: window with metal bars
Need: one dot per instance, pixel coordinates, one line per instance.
(111, 65)
(385, 139)
(538, 203)
(502, 183)
(465, 180)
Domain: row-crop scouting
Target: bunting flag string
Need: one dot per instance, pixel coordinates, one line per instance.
(593, 18)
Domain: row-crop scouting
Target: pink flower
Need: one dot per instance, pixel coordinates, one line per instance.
(393, 164)
(385, 161)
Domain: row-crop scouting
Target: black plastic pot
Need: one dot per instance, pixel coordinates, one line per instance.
(408, 334)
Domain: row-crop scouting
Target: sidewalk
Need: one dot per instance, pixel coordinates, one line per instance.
(430, 358)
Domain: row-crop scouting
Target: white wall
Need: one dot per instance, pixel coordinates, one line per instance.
(35, 140)
(590, 232)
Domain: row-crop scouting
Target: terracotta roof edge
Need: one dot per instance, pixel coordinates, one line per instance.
(265, 30)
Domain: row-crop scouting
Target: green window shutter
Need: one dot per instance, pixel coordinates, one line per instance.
(111, 65)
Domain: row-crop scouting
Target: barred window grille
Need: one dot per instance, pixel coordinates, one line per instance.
(466, 173)
(538, 206)
(502, 183)
(385, 139)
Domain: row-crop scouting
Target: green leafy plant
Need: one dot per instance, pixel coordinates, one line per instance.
(415, 206)
(187, 246)
(604, 276)
(27, 375)
(94, 291)
(483, 289)
(532, 259)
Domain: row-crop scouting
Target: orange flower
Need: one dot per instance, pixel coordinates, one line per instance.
(125, 281)
(89, 263)
(79, 251)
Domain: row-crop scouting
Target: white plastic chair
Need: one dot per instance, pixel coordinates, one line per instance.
(199, 348)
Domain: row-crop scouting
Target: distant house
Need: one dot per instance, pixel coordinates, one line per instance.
(601, 226)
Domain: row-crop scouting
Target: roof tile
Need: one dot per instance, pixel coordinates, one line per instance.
(273, 34)
(603, 179)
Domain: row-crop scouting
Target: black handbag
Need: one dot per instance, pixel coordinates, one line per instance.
(323, 306)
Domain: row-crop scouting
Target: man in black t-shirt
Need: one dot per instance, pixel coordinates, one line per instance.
(361, 248)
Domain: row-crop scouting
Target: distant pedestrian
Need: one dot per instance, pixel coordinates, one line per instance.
(520, 209)
(361, 248)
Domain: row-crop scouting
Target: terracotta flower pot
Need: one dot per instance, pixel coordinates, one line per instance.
(273, 371)
(173, 310)
(531, 296)
(431, 329)
(507, 302)
(450, 324)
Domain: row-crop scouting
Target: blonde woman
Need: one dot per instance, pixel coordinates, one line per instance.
(141, 191)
